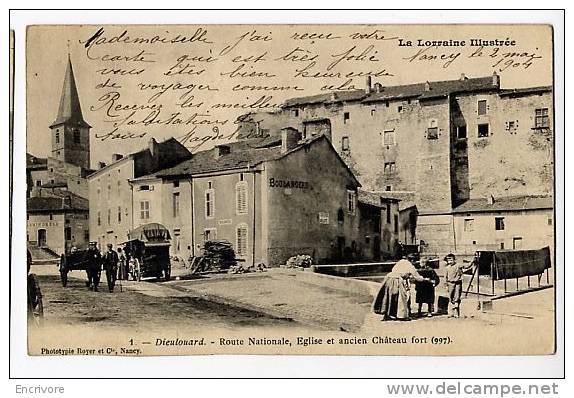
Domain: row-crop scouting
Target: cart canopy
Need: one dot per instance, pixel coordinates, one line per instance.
(150, 233)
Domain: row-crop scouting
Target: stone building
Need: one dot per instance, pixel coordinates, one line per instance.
(272, 198)
(61, 177)
(445, 141)
(110, 194)
(55, 224)
(516, 222)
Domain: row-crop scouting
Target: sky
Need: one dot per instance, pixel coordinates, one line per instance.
(188, 70)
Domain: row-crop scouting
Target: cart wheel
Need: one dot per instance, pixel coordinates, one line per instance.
(64, 278)
(138, 271)
(35, 304)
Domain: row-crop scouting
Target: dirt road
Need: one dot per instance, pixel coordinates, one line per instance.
(136, 309)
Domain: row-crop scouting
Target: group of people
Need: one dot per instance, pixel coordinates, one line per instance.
(110, 261)
(394, 298)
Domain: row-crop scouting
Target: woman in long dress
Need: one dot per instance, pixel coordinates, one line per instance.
(393, 299)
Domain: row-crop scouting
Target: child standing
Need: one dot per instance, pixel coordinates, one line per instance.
(425, 290)
(453, 280)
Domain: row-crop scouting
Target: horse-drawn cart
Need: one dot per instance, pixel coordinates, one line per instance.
(147, 252)
(78, 260)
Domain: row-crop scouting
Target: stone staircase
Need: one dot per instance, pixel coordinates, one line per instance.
(43, 255)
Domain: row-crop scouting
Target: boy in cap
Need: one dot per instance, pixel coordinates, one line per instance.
(425, 289)
(453, 280)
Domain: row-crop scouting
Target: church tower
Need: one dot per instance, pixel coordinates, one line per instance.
(70, 132)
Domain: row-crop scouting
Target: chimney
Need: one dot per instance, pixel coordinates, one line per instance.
(116, 157)
(368, 85)
(152, 144)
(101, 165)
(378, 88)
(463, 77)
(495, 80)
(221, 150)
(289, 139)
(490, 199)
(427, 86)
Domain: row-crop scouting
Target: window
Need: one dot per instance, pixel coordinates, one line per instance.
(345, 143)
(346, 117)
(109, 216)
(388, 213)
(38, 183)
(119, 214)
(209, 234)
(541, 118)
(143, 188)
(176, 204)
(351, 201)
(501, 245)
(468, 224)
(550, 221)
(390, 167)
(176, 184)
(517, 243)
(57, 138)
(295, 112)
(499, 223)
(389, 137)
(68, 233)
(76, 136)
(99, 219)
(400, 108)
(241, 240)
(241, 197)
(432, 133)
(86, 235)
(109, 191)
(340, 216)
(483, 130)
(373, 112)
(481, 107)
(144, 210)
(51, 217)
(396, 224)
(241, 177)
(209, 202)
(119, 186)
(388, 187)
(461, 132)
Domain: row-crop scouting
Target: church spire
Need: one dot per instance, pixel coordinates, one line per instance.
(70, 112)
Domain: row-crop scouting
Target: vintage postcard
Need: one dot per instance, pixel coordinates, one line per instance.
(290, 189)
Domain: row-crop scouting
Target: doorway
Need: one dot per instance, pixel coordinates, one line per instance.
(42, 237)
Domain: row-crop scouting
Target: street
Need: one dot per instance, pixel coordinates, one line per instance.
(132, 308)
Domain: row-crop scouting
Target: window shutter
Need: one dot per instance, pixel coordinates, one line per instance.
(241, 197)
(241, 240)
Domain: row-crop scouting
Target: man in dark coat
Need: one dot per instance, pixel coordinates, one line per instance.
(93, 267)
(111, 266)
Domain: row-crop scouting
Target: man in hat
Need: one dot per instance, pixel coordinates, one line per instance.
(111, 266)
(453, 280)
(93, 267)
